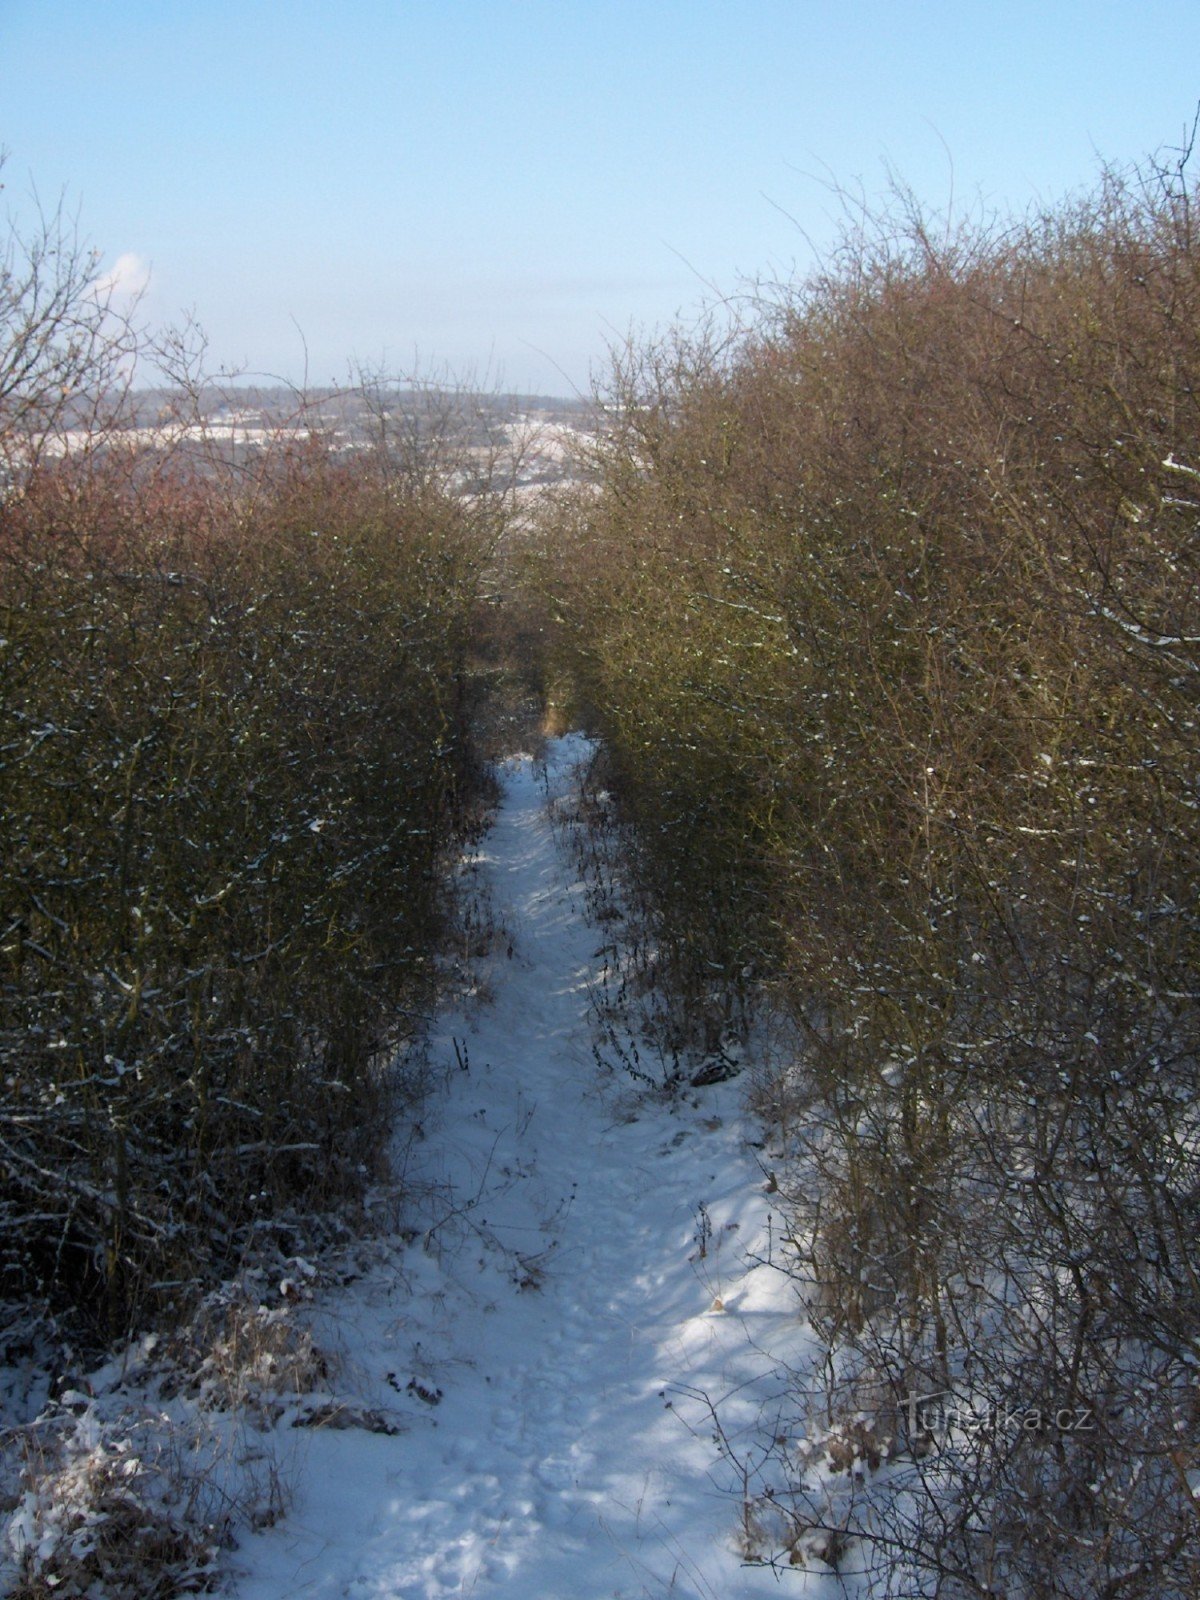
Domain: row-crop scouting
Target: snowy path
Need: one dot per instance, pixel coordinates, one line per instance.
(556, 1298)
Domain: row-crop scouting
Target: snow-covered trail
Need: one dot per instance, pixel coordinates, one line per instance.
(545, 1337)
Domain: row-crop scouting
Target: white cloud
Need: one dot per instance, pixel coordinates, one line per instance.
(124, 281)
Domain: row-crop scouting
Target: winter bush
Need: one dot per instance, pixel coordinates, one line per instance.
(234, 748)
(887, 608)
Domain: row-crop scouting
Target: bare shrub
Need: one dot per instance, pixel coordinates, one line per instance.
(236, 745)
(887, 610)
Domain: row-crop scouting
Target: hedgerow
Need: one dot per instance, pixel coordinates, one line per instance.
(888, 608)
(235, 748)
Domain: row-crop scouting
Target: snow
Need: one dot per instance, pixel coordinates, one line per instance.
(577, 1291)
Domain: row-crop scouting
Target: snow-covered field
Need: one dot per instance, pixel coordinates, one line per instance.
(578, 1283)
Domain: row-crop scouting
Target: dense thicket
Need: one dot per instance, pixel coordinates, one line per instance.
(889, 611)
(233, 750)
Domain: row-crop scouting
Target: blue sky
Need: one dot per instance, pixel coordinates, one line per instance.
(502, 187)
